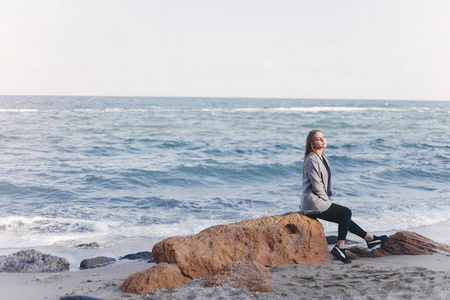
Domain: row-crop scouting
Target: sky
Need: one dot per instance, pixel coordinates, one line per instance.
(349, 49)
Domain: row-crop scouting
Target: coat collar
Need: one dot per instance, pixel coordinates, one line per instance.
(324, 157)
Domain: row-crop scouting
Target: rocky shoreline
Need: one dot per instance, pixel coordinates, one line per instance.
(246, 258)
(33, 261)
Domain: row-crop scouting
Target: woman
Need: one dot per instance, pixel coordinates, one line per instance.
(317, 201)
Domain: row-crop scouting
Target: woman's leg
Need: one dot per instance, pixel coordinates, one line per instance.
(355, 229)
(343, 216)
(337, 214)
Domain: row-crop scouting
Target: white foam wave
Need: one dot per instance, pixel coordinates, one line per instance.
(111, 110)
(20, 231)
(18, 110)
(300, 109)
(79, 110)
(328, 108)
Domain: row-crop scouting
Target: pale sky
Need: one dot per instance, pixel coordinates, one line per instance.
(355, 49)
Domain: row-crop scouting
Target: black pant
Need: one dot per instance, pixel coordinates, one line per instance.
(343, 216)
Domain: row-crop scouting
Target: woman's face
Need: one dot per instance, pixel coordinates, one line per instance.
(319, 141)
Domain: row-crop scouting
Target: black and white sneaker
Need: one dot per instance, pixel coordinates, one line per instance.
(377, 240)
(340, 254)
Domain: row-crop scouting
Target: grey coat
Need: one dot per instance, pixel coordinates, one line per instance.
(317, 188)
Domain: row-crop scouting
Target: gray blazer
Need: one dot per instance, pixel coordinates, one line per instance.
(317, 188)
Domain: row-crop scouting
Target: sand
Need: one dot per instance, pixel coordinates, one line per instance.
(391, 277)
(102, 283)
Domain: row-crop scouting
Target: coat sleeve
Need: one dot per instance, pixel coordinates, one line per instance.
(312, 171)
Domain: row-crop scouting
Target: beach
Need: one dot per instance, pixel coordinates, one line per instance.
(128, 172)
(390, 277)
(139, 134)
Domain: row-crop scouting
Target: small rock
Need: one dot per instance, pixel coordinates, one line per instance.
(402, 243)
(88, 245)
(160, 276)
(139, 255)
(96, 262)
(30, 261)
(78, 298)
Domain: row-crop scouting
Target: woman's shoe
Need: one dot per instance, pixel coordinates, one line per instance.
(377, 240)
(340, 254)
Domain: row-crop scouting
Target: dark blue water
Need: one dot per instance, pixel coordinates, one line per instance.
(110, 169)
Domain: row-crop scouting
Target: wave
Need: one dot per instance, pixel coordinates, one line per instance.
(235, 172)
(81, 110)
(19, 110)
(313, 109)
(30, 190)
(46, 225)
(186, 175)
(294, 109)
(414, 176)
(300, 109)
(400, 216)
(21, 231)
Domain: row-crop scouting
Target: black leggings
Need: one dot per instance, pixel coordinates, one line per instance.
(343, 216)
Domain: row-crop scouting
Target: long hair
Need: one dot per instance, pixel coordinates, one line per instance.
(309, 147)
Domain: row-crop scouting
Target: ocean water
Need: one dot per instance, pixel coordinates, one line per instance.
(128, 172)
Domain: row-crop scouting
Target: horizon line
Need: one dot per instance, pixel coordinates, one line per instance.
(221, 97)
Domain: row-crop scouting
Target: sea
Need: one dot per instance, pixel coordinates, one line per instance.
(128, 172)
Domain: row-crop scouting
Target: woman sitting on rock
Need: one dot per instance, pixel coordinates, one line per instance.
(317, 201)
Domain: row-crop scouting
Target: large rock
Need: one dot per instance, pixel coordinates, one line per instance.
(270, 241)
(30, 261)
(160, 276)
(401, 243)
(248, 275)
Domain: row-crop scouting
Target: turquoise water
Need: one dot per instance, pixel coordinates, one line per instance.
(116, 170)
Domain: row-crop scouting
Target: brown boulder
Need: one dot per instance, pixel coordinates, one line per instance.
(402, 243)
(248, 275)
(270, 241)
(160, 276)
